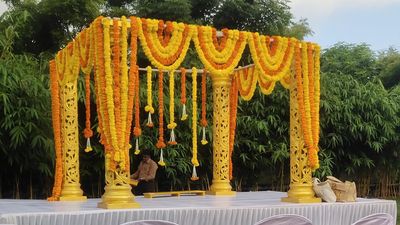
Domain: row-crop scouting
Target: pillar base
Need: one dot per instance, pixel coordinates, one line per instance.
(222, 193)
(221, 187)
(72, 192)
(118, 197)
(301, 193)
(73, 198)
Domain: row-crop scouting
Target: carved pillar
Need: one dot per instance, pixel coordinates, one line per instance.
(71, 188)
(300, 173)
(220, 183)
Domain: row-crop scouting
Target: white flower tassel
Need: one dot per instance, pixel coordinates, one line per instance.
(149, 121)
(161, 162)
(184, 114)
(204, 140)
(194, 174)
(172, 140)
(88, 146)
(137, 151)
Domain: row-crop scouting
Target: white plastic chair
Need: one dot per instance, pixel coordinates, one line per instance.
(285, 219)
(149, 222)
(376, 219)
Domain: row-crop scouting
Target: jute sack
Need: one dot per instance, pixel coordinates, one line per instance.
(344, 191)
(323, 190)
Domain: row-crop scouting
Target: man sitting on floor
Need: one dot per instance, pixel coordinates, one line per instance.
(145, 174)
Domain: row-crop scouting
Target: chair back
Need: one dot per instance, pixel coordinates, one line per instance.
(376, 219)
(285, 219)
(149, 222)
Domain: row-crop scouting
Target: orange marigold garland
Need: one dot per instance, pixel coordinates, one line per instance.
(203, 121)
(116, 54)
(232, 125)
(55, 106)
(137, 131)
(87, 132)
(160, 143)
(183, 93)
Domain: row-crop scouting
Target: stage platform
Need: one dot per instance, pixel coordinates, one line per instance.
(245, 208)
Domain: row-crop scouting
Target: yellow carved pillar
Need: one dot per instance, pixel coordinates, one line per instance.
(220, 183)
(118, 194)
(300, 173)
(71, 188)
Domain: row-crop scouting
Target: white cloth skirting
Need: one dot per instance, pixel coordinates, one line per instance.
(246, 208)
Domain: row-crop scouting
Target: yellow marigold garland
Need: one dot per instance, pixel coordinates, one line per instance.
(246, 81)
(149, 107)
(183, 93)
(124, 89)
(195, 161)
(228, 59)
(317, 93)
(203, 121)
(172, 124)
(168, 57)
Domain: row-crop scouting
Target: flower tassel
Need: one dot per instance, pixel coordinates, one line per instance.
(184, 114)
(194, 174)
(172, 139)
(204, 140)
(88, 146)
(161, 162)
(149, 121)
(137, 150)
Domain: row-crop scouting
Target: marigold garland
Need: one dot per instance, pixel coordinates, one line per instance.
(246, 79)
(168, 57)
(233, 101)
(172, 124)
(194, 160)
(133, 78)
(87, 132)
(273, 67)
(219, 62)
(160, 143)
(194, 116)
(149, 107)
(55, 106)
(124, 90)
(203, 121)
(183, 93)
(116, 54)
(304, 103)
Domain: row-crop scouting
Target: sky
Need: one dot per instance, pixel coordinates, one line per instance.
(375, 22)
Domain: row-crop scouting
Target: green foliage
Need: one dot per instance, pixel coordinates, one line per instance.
(358, 61)
(264, 16)
(26, 144)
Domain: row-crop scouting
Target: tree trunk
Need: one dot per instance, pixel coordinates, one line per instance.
(30, 186)
(17, 195)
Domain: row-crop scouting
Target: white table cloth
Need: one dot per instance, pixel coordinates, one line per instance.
(246, 208)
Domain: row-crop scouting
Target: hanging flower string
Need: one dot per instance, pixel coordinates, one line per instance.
(195, 161)
(137, 131)
(116, 54)
(172, 124)
(232, 125)
(160, 143)
(125, 89)
(149, 107)
(183, 94)
(203, 121)
(87, 132)
(55, 106)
